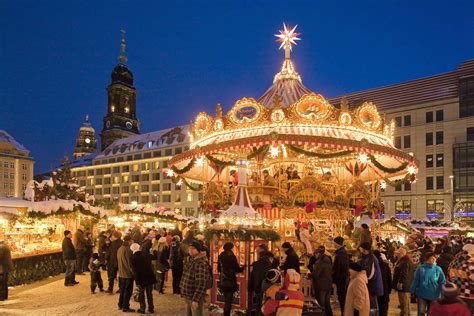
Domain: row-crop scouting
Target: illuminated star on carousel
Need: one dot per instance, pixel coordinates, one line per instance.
(170, 173)
(287, 36)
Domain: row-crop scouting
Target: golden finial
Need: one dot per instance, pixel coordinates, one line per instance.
(122, 57)
(219, 110)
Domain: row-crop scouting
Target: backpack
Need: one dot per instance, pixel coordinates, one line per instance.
(210, 278)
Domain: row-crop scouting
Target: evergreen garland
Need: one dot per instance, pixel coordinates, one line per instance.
(165, 218)
(386, 169)
(406, 179)
(62, 212)
(186, 168)
(257, 152)
(220, 163)
(175, 180)
(241, 233)
(308, 153)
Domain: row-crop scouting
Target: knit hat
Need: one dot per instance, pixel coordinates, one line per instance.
(197, 245)
(228, 246)
(135, 247)
(366, 246)
(355, 266)
(286, 245)
(293, 276)
(339, 240)
(450, 290)
(273, 275)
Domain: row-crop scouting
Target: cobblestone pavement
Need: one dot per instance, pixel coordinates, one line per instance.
(51, 297)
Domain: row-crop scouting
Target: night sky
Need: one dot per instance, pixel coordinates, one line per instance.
(56, 59)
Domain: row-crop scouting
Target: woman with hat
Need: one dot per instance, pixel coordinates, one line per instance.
(357, 296)
(228, 267)
(450, 303)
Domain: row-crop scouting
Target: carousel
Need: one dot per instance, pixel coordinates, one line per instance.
(305, 164)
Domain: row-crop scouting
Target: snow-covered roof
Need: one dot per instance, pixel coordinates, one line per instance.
(5, 137)
(47, 207)
(83, 161)
(148, 141)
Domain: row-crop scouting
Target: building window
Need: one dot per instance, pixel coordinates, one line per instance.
(116, 180)
(23, 176)
(470, 134)
(116, 190)
(107, 180)
(398, 187)
(168, 152)
(398, 142)
(434, 208)
(135, 177)
(402, 207)
(398, 121)
(407, 186)
(135, 188)
(149, 144)
(98, 192)
(439, 160)
(439, 182)
(429, 183)
(178, 150)
(155, 176)
(156, 165)
(126, 189)
(177, 198)
(144, 199)
(406, 141)
(145, 166)
(116, 170)
(189, 197)
(125, 168)
(145, 177)
(429, 139)
(439, 137)
(439, 115)
(466, 97)
(166, 198)
(12, 175)
(145, 188)
(23, 166)
(155, 187)
(429, 117)
(407, 120)
(165, 164)
(125, 199)
(429, 161)
(5, 164)
(157, 153)
(98, 181)
(166, 186)
(12, 165)
(125, 179)
(135, 167)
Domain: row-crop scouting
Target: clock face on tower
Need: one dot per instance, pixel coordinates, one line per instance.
(129, 125)
(87, 140)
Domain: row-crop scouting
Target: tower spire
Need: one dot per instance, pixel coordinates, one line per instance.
(122, 57)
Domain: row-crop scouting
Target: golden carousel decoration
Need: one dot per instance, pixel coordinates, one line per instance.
(305, 158)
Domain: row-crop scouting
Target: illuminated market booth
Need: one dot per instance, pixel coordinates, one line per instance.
(309, 164)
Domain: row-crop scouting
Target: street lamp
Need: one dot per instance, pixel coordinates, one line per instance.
(451, 177)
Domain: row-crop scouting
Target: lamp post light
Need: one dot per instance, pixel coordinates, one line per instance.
(451, 177)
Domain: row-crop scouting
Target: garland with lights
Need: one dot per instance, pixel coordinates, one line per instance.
(257, 152)
(165, 218)
(308, 153)
(406, 179)
(378, 165)
(186, 168)
(241, 233)
(175, 180)
(220, 163)
(62, 212)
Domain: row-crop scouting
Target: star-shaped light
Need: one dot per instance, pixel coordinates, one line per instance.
(170, 173)
(180, 182)
(363, 158)
(274, 152)
(287, 36)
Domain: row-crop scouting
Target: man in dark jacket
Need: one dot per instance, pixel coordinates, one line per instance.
(228, 267)
(402, 279)
(292, 261)
(111, 257)
(258, 271)
(321, 273)
(69, 258)
(384, 300)
(176, 263)
(445, 259)
(6, 265)
(372, 268)
(79, 241)
(340, 270)
(144, 277)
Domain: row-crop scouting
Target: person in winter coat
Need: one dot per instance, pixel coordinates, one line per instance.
(427, 283)
(79, 241)
(321, 274)
(450, 303)
(144, 277)
(96, 278)
(371, 266)
(357, 296)
(161, 250)
(270, 287)
(293, 304)
(136, 234)
(6, 265)
(305, 237)
(340, 270)
(176, 263)
(125, 274)
(292, 261)
(70, 259)
(384, 300)
(364, 235)
(147, 243)
(111, 259)
(445, 259)
(461, 273)
(196, 275)
(100, 246)
(402, 279)
(228, 267)
(258, 271)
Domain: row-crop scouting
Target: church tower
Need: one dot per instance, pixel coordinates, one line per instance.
(85, 143)
(121, 119)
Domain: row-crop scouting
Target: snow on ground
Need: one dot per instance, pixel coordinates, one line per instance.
(51, 297)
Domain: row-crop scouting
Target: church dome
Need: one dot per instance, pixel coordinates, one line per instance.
(122, 74)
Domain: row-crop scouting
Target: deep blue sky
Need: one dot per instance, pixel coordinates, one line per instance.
(56, 57)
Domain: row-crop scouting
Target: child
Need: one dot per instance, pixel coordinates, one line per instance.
(270, 286)
(96, 279)
(293, 299)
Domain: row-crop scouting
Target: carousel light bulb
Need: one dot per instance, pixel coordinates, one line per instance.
(383, 184)
(200, 162)
(363, 158)
(170, 173)
(274, 152)
(411, 170)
